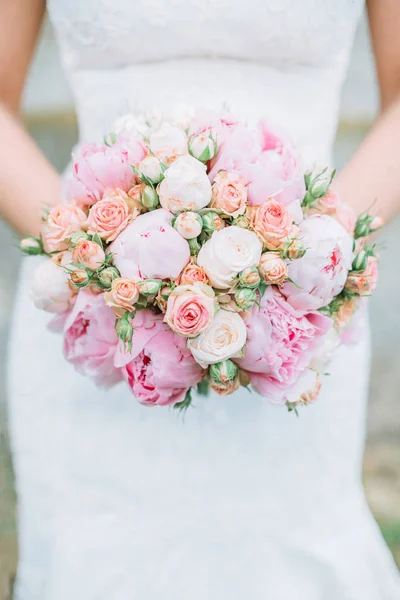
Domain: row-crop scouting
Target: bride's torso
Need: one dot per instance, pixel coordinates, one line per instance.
(281, 58)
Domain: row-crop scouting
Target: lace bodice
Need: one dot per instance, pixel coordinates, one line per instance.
(284, 58)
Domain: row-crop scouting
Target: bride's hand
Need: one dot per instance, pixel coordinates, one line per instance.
(28, 183)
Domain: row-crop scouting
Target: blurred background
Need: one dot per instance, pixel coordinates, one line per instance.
(49, 115)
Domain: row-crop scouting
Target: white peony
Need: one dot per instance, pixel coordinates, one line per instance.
(185, 186)
(189, 225)
(168, 142)
(322, 272)
(227, 253)
(49, 288)
(224, 338)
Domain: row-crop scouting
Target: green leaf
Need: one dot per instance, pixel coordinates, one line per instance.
(184, 405)
(263, 288)
(203, 387)
(96, 238)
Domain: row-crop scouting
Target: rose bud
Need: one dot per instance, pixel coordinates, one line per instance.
(273, 268)
(162, 298)
(123, 295)
(151, 169)
(293, 250)
(366, 224)
(88, 255)
(124, 330)
(212, 221)
(319, 188)
(360, 261)
(77, 237)
(107, 276)
(245, 298)
(250, 277)
(149, 197)
(377, 223)
(194, 246)
(241, 221)
(363, 284)
(188, 224)
(95, 288)
(79, 278)
(31, 246)
(224, 371)
(150, 287)
(225, 388)
(203, 147)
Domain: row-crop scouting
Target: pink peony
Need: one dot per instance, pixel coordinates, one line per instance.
(109, 216)
(150, 248)
(90, 340)
(321, 273)
(160, 369)
(98, 169)
(190, 309)
(280, 343)
(238, 150)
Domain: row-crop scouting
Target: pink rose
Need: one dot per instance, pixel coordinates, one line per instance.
(160, 369)
(328, 203)
(273, 268)
(98, 169)
(109, 216)
(90, 340)
(192, 273)
(321, 273)
(280, 344)
(272, 223)
(88, 255)
(150, 248)
(364, 283)
(62, 221)
(229, 194)
(190, 309)
(123, 295)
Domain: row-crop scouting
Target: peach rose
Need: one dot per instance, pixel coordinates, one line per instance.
(190, 309)
(229, 194)
(272, 223)
(364, 283)
(62, 221)
(88, 255)
(273, 268)
(192, 273)
(109, 216)
(327, 204)
(345, 313)
(123, 295)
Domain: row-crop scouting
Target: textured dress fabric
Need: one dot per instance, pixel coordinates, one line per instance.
(238, 499)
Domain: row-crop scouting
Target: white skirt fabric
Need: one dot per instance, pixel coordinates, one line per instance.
(236, 499)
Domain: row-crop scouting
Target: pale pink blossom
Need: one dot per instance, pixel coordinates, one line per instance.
(273, 268)
(62, 221)
(160, 369)
(109, 216)
(321, 273)
(229, 194)
(364, 283)
(193, 273)
(280, 343)
(88, 255)
(123, 295)
(98, 169)
(190, 309)
(90, 340)
(150, 248)
(272, 222)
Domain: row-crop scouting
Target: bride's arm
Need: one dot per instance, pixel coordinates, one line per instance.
(27, 181)
(373, 174)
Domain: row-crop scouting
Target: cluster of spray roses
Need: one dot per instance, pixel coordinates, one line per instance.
(197, 253)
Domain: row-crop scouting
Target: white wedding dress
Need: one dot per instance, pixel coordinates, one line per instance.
(239, 500)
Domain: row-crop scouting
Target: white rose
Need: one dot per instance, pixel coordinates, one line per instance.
(224, 338)
(49, 288)
(150, 167)
(227, 253)
(168, 142)
(185, 186)
(189, 225)
(321, 273)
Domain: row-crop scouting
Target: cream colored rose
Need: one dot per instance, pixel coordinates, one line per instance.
(224, 338)
(229, 194)
(185, 186)
(62, 221)
(49, 288)
(227, 253)
(123, 295)
(273, 268)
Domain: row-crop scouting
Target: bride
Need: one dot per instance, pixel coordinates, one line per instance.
(241, 500)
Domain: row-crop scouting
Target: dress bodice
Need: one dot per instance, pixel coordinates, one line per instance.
(282, 58)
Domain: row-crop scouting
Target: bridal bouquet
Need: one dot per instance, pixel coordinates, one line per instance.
(195, 253)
